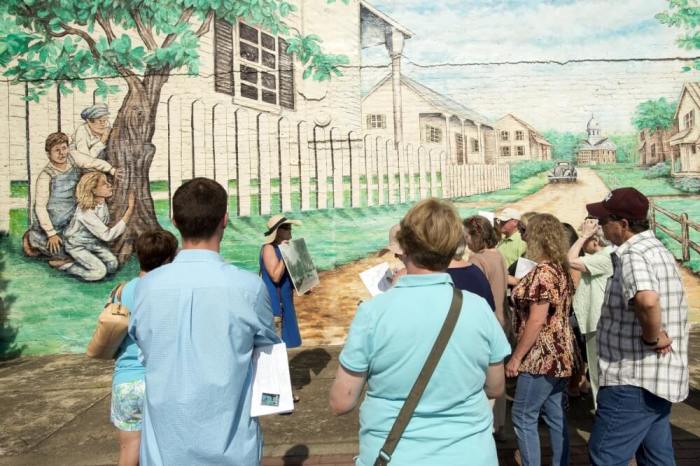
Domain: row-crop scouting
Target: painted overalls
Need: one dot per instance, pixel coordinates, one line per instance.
(61, 208)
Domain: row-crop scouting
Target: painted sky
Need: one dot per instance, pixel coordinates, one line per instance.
(548, 96)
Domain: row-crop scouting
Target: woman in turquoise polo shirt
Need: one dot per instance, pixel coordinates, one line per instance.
(389, 341)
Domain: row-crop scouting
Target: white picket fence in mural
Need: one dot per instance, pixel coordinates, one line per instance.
(265, 162)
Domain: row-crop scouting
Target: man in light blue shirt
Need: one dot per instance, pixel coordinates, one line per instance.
(197, 321)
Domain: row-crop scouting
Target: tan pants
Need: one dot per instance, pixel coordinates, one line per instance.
(498, 406)
(592, 354)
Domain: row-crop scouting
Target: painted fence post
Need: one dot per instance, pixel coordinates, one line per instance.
(5, 179)
(685, 237)
(244, 141)
(265, 151)
(355, 172)
(285, 163)
(320, 160)
(369, 177)
(390, 156)
(219, 145)
(422, 178)
(337, 165)
(380, 156)
(304, 165)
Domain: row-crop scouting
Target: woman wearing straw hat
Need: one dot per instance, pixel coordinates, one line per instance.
(276, 277)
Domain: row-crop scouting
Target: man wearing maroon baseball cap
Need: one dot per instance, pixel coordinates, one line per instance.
(642, 338)
(627, 203)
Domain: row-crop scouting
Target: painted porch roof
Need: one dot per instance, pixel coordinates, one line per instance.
(387, 19)
(686, 136)
(441, 102)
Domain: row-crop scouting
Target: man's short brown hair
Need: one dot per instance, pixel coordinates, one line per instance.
(430, 234)
(55, 139)
(199, 206)
(155, 248)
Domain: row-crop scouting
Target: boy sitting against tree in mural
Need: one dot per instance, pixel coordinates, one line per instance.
(87, 236)
(90, 138)
(54, 198)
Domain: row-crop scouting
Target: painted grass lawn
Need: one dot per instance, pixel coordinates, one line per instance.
(626, 174)
(55, 313)
(690, 206)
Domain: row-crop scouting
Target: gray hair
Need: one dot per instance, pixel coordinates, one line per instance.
(600, 237)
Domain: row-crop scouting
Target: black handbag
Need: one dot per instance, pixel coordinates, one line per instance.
(421, 382)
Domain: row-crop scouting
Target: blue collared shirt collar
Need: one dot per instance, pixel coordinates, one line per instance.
(198, 255)
(411, 280)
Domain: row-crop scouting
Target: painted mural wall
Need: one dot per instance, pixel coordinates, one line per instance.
(340, 113)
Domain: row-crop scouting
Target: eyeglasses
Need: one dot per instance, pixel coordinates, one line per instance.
(610, 218)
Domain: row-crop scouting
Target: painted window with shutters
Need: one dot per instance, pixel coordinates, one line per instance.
(433, 134)
(519, 135)
(505, 151)
(258, 66)
(223, 57)
(475, 145)
(520, 150)
(376, 121)
(505, 135)
(459, 148)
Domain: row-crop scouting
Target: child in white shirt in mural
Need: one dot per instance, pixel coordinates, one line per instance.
(87, 236)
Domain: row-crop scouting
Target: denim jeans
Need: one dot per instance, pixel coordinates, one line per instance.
(535, 394)
(631, 421)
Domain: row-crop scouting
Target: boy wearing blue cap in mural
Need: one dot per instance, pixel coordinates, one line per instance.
(90, 138)
(54, 198)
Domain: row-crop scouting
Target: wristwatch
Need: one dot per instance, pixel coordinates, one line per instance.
(650, 343)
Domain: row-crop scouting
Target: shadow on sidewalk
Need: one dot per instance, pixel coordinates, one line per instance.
(296, 455)
(308, 361)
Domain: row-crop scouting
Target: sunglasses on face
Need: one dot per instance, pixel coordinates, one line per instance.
(608, 219)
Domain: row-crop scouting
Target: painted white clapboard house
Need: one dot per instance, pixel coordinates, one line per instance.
(518, 140)
(429, 119)
(241, 67)
(687, 139)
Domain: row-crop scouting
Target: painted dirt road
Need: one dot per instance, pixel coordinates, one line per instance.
(323, 323)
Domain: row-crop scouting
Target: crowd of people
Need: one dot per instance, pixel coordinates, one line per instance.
(609, 294)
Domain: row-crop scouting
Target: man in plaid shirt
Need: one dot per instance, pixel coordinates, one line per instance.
(642, 339)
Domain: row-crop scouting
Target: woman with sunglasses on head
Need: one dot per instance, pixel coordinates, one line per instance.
(277, 279)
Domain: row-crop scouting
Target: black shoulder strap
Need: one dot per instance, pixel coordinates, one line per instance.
(418, 388)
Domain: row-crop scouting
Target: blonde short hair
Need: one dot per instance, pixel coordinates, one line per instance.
(84, 191)
(430, 234)
(547, 240)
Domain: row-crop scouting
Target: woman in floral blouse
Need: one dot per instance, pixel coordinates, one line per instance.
(543, 358)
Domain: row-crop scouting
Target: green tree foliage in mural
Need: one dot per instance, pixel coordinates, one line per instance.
(626, 147)
(564, 144)
(685, 15)
(65, 42)
(654, 114)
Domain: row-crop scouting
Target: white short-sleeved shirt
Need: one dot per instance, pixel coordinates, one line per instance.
(591, 289)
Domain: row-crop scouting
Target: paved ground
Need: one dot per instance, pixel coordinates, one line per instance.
(55, 409)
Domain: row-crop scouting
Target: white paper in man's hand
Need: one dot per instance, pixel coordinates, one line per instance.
(272, 386)
(377, 279)
(523, 268)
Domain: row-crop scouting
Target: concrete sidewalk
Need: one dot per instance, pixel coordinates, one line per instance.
(54, 410)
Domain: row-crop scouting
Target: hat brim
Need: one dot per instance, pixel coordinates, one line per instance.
(271, 237)
(597, 210)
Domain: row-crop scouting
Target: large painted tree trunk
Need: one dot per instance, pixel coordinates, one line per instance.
(130, 148)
